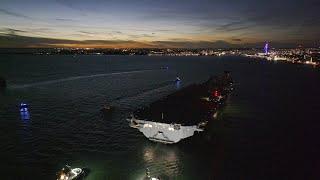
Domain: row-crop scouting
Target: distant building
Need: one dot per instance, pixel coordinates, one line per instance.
(266, 48)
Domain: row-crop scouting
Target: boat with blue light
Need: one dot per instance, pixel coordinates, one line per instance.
(23, 107)
(24, 111)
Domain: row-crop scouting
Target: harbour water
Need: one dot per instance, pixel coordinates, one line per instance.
(268, 130)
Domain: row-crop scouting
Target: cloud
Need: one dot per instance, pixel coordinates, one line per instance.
(234, 26)
(11, 31)
(91, 33)
(136, 36)
(17, 41)
(248, 20)
(86, 32)
(64, 20)
(192, 44)
(14, 14)
(236, 39)
(72, 5)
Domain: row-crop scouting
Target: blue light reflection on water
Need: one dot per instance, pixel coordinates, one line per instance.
(178, 84)
(25, 115)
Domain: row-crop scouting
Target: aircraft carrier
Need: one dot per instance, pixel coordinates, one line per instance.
(181, 114)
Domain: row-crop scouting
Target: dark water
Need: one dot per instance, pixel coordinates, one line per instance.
(268, 130)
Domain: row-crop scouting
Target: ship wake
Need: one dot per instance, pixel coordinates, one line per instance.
(73, 78)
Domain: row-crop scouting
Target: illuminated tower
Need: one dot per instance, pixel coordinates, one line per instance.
(266, 48)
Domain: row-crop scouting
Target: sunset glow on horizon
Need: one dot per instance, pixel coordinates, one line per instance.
(158, 24)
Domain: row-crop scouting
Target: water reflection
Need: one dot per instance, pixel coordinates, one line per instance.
(25, 115)
(162, 160)
(25, 131)
(178, 84)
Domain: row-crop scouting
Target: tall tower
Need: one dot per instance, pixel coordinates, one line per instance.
(266, 48)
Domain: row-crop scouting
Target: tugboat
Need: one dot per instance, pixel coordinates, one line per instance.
(3, 83)
(107, 109)
(68, 173)
(178, 79)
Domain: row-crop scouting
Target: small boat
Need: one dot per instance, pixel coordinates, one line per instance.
(165, 67)
(107, 109)
(23, 107)
(68, 173)
(107, 112)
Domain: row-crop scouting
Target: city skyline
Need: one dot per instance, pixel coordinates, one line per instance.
(158, 24)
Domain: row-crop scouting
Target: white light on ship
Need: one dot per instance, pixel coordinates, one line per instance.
(147, 125)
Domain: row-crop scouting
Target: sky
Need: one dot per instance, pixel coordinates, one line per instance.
(159, 23)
